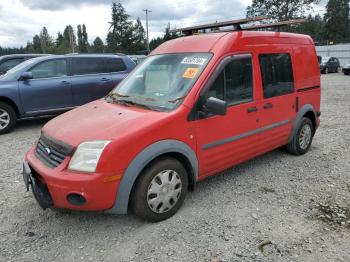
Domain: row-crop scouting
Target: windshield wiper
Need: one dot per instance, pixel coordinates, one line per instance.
(132, 103)
(177, 99)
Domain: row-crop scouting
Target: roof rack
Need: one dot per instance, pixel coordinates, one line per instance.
(215, 27)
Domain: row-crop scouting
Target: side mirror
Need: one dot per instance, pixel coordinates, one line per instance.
(215, 106)
(26, 76)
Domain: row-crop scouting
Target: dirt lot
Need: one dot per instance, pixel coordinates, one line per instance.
(277, 207)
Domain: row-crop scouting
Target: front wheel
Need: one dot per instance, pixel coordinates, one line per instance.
(8, 118)
(302, 139)
(160, 190)
(326, 70)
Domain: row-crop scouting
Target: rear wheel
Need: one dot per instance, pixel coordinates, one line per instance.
(8, 118)
(302, 139)
(160, 190)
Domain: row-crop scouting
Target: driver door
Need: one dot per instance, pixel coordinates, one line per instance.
(49, 90)
(223, 141)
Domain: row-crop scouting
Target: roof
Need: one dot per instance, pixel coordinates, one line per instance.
(206, 42)
(21, 55)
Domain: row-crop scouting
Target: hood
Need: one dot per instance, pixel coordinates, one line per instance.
(100, 120)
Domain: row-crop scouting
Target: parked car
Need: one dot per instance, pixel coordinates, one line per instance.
(329, 65)
(9, 61)
(196, 106)
(54, 84)
(346, 69)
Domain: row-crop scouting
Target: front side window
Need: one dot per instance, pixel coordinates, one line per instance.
(277, 74)
(49, 69)
(235, 82)
(161, 81)
(87, 66)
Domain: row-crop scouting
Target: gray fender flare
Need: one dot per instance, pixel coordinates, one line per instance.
(140, 161)
(306, 108)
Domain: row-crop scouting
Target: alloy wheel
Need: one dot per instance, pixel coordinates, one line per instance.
(4, 119)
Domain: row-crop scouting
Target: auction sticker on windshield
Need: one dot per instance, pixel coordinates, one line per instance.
(190, 72)
(193, 60)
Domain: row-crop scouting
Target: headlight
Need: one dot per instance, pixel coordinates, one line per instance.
(87, 155)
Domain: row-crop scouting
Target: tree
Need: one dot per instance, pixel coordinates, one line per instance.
(280, 9)
(97, 46)
(337, 24)
(83, 43)
(46, 42)
(139, 37)
(154, 43)
(314, 27)
(120, 31)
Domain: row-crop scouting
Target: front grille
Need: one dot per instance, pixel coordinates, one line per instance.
(50, 152)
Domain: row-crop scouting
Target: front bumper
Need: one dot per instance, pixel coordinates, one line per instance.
(346, 70)
(58, 184)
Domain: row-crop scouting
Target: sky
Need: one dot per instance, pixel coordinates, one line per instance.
(20, 20)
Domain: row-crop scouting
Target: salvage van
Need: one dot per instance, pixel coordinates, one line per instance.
(196, 106)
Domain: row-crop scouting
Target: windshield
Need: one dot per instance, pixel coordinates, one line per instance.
(325, 59)
(18, 68)
(162, 81)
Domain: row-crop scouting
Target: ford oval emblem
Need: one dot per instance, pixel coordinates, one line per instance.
(48, 151)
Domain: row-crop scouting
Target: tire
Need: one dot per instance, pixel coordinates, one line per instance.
(165, 199)
(296, 146)
(338, 70)
(326, 70)
(8, 118)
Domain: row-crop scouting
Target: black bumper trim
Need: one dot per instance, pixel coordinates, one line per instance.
(40, 190)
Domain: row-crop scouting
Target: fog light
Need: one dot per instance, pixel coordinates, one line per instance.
(76, 199)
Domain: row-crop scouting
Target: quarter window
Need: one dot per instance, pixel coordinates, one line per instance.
(235, 82)
(277, 74)
(114, 65)
(52, 68)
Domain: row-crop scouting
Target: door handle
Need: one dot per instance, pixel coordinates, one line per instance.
(268, 106)
(65, 83)
(105, 79)
(252, 109)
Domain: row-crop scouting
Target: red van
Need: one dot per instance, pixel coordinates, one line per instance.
(198, 105)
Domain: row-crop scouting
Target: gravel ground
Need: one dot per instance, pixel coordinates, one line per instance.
(277, 207)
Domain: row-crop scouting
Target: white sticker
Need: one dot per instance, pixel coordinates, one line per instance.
(194, 60)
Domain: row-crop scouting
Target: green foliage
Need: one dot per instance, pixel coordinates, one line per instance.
(280, 9)
(120, 31)
(337, 23)
(83, 43)
(154, 43)
(314, 27)
(97, 46)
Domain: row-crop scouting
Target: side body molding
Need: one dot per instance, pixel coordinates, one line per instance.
(306, 108)
(140, 161)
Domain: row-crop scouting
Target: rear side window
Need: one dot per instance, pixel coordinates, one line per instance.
(87, 66)
(235, 82)
(277, 74)
(114, 65)
(49, 69)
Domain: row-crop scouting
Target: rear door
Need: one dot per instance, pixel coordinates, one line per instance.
(89, 79)
(278, 102)
(117, 68)
(223, 141)
(49, 90)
